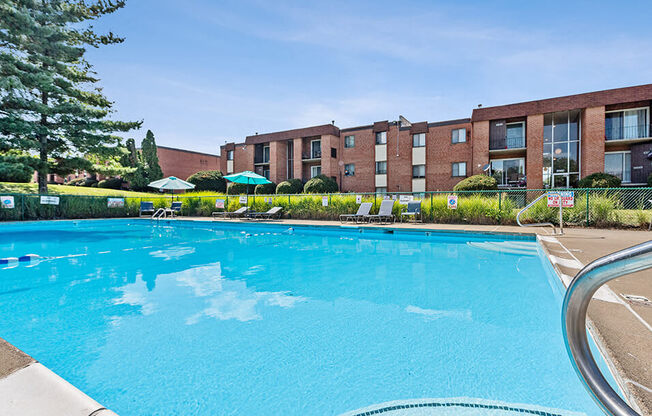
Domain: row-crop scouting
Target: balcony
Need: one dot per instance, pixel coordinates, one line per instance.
(509, 143)
(315, 155)
(627, 134)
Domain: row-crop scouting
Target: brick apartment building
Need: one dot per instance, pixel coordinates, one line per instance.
(543, 143)
(183, 163)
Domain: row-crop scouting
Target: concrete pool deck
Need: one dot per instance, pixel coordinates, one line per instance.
(622, 326)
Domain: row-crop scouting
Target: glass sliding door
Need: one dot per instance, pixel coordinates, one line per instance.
(561, 149)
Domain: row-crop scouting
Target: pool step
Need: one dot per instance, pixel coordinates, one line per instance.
(509, 247)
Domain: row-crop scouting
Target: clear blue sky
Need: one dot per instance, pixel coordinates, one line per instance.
(201, 72)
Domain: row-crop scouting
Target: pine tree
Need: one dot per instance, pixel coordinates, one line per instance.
(49, 101)
(150, 157)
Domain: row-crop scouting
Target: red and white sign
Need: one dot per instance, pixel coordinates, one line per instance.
(565, 199)
(452, 201)
(219, 203)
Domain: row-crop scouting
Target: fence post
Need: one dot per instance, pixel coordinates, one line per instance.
(432, 211)
(22, 207)
(587, 207)
(500, 199)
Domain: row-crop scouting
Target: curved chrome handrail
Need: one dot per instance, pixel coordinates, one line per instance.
(518, 216)
(576, 303)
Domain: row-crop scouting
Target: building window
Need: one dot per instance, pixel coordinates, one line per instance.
(266, 173)
(418, 171)
(315, 149)
(315, 171)
(290, 159)
(561, 149)
(381, 137)
(333, 152)
(381, 190)
(515, 135)
(381, 168)
(619, 164)
(458, 135)
(265, 154)
(508, 172)
(459, 169)
(349, 142)
(349, 169)
(419, 140)
(229, 155)
(627, 124)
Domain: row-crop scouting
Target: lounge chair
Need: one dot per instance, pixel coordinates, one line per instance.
(175, 208)
(384, 213)
(413, 210)
(363, 211)
(271, 213)
(146, 207)
(230, 214)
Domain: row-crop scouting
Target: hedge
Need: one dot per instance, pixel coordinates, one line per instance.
(320, 184)
(291, 186)
(208, 180)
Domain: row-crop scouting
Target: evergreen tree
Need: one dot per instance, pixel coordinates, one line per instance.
(49, 101)
(150, 157)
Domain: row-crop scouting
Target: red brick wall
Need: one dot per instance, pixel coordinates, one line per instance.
(534, 151)
(362, 155)
(183, 163)
(399, 168)
(480, 143)
(441, 153)
(298, 163)
(329, 165)
(592, 144)
(243, 158)
(278, 161)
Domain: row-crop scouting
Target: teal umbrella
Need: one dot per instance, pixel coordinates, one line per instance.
(249, 178)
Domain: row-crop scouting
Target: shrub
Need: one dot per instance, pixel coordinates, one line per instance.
(111, 183)
(15, 172)
(477, 183)
(291, 186)
(208, 180)
(87, 182)
(239, 189)
(265, 189)
(599, 180)
(320, 184)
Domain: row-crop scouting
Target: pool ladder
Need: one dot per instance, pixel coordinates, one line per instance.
(576, 303)
(160, 213)
(541, 224)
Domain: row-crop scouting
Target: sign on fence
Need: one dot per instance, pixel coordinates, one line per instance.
(115, 202)
(219, 203)
(7, 201)
(358, 199)
(554, 200)
(243, 199)
(324, 201)
(404, 199)
(567, 199)
(452, 201)
(49, 200)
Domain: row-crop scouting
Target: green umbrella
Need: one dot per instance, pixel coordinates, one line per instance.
(172, 183)
(249, 178)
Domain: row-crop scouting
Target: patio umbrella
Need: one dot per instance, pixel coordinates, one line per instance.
(249, 178)
(172, 183)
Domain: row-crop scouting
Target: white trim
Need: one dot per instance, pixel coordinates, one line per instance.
(320, 152)
(312, 175)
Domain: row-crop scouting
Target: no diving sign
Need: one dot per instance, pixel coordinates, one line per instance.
(452, 201)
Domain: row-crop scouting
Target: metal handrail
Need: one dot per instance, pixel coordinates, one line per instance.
(540, 224)
(576, 303)
(160, 213)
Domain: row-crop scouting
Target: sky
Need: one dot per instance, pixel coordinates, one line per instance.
(200, 73)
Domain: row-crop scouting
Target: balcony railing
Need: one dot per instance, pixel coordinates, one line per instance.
(314, 155)
(625, 133)
(507, 143)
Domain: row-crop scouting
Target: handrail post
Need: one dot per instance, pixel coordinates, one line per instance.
(576, 303)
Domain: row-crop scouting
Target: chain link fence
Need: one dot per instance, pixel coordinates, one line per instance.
(611, 207)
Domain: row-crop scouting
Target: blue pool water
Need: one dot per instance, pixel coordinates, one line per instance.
(237, 319)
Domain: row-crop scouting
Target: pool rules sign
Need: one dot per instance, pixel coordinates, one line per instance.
(452, 201)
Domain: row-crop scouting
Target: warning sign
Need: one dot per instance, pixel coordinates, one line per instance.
(452, 201)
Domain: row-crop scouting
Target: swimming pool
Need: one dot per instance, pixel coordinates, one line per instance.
(222, 318)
